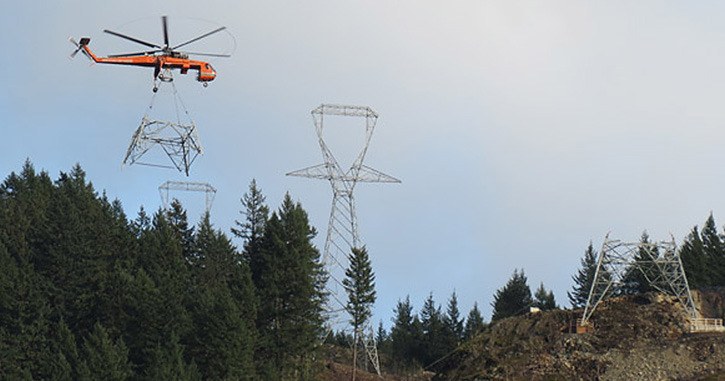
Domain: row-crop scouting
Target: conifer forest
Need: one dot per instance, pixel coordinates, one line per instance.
(88, 291)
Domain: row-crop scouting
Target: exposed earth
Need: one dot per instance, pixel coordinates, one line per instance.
(641, 337)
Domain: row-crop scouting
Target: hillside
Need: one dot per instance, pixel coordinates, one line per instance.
(636, 338)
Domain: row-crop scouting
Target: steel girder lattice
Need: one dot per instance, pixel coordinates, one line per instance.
(658, 262)
(177, 139)
(342, 228)
(209, 191)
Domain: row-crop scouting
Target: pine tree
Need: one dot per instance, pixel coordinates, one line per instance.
(474, 322)
(583, 279)
(543, 299)
(359, 283)
(513, 299)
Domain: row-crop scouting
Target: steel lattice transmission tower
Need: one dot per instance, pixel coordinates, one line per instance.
(174, 132)
(209, 191)
(659, 263)
(342, 228)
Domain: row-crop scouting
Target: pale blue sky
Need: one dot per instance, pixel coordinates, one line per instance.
(521, 129)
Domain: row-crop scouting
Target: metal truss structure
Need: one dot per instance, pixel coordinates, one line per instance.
(209, 191)
(342, 228)
(178, 139)
(659, 263)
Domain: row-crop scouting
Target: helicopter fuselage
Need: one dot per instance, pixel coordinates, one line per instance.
(159, 62)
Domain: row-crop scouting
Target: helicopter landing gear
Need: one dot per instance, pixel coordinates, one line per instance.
(155, 89)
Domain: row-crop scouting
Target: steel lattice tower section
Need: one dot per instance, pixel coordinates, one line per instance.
(342, 228)
(177, 138)
(659, 262)
(188, 186)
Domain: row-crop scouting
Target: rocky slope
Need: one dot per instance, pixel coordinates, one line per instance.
(636, 338)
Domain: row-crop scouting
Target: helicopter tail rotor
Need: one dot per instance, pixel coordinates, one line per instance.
(80, 47)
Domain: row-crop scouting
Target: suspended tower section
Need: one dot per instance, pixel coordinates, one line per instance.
(166, 129)
(187, 186)
(342, 228)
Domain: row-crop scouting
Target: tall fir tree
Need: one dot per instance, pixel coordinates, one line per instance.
(359, 283)
(453, 320)
(405, 335)
(256, 214)
(435, 342)
(637, 276)
(474, 322)
(512, 299)
(583, 279)
(694, 261)
(714, 250)
(543, 299)
(290, 284)
(104, 358)
(222, 308)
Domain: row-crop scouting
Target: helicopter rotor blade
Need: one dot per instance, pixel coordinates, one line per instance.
(147, 53)
(199, 38)
(136, 40)
(207, 54)
(166, 31)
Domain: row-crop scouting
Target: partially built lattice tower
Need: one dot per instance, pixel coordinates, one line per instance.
(661, 267)
(342, 228)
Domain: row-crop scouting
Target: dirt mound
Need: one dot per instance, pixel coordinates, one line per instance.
(635, 338)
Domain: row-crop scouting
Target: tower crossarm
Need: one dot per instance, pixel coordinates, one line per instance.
(188, 186)
(366, 174)
(344, 110)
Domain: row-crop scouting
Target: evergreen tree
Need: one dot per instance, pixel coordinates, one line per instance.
(453, 320)
(256, 214)
(103, 358)
(382, 338)
(583, 279)
(543, 299)
(714, 250)
(167, 363)
(435, 342)
(694, 261)
(512, 299)
(635, 280)
(290, 283)
(359, 283)
(179, 223)
(405, 335)
(222, 309)
(474, 322)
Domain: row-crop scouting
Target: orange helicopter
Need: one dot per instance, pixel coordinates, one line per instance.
(162, 59)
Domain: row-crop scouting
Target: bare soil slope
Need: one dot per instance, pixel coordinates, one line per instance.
(636, 338)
